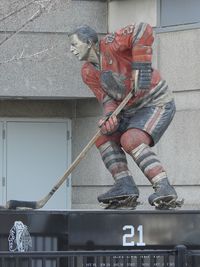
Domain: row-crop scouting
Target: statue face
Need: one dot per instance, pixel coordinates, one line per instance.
(79, 48)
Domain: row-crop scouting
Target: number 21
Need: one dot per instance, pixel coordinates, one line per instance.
(127, 236)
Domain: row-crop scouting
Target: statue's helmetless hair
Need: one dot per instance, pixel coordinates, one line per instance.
(86, 34)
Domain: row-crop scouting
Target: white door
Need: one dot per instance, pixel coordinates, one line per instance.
(37, 155)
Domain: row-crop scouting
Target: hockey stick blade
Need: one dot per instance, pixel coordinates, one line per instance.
(19, 204)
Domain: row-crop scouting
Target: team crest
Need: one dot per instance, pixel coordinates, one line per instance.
(19, 238)
(128, 30)
(109, 38)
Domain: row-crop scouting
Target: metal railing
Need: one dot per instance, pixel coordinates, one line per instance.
(130, 258)
(193, 258)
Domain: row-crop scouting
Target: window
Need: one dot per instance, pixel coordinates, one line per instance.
(179, 12)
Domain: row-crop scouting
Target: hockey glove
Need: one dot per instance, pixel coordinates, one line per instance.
(145, 74)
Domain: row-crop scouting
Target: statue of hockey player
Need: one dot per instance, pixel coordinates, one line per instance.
(109, 71)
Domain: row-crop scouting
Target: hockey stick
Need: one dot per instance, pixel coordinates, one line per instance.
(20, 204)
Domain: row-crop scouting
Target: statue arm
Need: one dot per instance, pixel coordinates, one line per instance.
(142, 54)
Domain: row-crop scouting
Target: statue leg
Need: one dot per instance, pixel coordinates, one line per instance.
(124, 192)
(137, 143)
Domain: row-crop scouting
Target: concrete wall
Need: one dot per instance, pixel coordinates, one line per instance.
(37, 108)
(178, 61)
(122, 13)
(37, 63)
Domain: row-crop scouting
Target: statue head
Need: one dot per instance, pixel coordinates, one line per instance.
(82, 40)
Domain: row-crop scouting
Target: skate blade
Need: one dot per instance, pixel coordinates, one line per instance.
(127, 203)
(164, 204)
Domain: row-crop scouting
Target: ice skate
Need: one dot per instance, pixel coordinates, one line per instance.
(123, 194)
(165, 196)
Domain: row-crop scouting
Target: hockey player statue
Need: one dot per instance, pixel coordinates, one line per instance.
(109, 71)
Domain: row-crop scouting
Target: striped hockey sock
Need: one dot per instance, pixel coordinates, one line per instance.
(149, 163)
(114, 159)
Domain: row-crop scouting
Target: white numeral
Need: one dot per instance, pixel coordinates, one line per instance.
(128, 237)
(140, 230)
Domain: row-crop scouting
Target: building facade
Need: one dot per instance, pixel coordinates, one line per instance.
(48, 115)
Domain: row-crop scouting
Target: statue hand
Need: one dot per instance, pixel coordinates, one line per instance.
(108, 126)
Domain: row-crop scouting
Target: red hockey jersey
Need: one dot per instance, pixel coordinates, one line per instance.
(118, 51)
